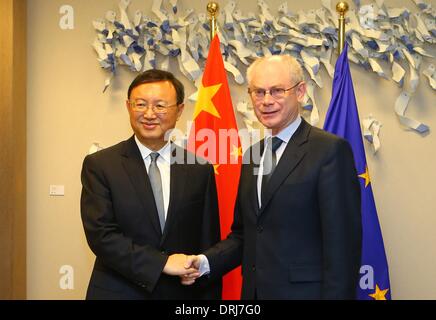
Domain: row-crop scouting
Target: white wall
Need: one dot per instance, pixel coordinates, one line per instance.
(67, 111)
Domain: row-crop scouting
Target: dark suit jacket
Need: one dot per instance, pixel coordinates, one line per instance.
(305, 240)
(122, 225)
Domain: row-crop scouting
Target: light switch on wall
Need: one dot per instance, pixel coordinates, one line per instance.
(57, 190)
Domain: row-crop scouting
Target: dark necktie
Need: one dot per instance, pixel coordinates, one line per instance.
(156, 185)
(269, 163)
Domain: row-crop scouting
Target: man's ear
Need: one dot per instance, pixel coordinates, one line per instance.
(180, 109)
(301, 91)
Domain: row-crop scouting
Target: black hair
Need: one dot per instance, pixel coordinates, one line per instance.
(155, 75)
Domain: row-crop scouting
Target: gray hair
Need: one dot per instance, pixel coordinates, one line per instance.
(288, 61)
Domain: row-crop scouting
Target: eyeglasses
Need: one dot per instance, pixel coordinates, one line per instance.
(142, 106)
(276, 93)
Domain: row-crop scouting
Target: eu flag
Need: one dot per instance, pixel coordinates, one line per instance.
(343, 120)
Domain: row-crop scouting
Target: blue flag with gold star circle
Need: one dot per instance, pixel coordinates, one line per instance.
(343, 120)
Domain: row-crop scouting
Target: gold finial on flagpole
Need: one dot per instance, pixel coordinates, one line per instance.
(341, 8)
(213, 10)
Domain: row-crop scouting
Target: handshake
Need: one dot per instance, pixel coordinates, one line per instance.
(184, 266)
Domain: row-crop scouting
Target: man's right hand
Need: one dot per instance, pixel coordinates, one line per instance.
(181, 265)
(191, 262)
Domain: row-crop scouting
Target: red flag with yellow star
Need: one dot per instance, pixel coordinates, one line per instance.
(214, 136)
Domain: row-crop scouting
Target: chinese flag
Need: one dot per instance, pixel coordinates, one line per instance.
(214, 137)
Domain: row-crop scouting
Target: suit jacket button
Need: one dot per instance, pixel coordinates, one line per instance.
(259, 229)
(253, 268)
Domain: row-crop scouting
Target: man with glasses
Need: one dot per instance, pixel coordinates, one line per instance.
(139, 208)
(297, 222)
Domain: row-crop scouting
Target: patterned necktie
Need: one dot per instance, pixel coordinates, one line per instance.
(156, 185)
(269, 163)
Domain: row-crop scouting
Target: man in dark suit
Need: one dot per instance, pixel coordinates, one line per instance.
(139, 208)
(297, 223)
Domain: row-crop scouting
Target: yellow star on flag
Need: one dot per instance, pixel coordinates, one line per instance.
(366, 177)
(237, 152)
(215, 168)
(204, 100)
(379, 294)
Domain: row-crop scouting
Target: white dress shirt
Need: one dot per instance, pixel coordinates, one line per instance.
(163, 163)
(285, 135)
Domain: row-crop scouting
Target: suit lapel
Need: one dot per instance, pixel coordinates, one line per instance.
(292, 156)
(257, 151)
(135, 168)
(254, 192)
(177, 186)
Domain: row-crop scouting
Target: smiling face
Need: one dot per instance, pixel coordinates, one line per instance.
(149, 127)
(275, 114)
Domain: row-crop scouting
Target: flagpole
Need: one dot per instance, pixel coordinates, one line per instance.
(212, 9)
(341, 8)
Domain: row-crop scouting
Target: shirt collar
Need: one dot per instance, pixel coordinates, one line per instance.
(286, 134)
(164, 152)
